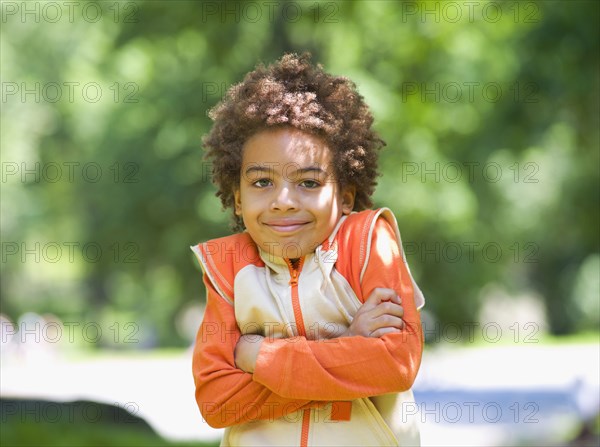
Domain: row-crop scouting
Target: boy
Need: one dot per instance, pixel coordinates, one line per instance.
(311, 334)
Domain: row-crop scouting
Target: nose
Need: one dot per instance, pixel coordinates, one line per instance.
(285, 199)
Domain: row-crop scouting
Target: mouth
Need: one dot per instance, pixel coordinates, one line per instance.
(286, 225)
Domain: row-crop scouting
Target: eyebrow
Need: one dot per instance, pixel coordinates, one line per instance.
(300, 171)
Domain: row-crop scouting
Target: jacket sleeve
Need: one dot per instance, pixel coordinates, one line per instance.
(351, 367)
(225, 394)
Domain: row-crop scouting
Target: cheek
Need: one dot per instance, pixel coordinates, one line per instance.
(249, 206)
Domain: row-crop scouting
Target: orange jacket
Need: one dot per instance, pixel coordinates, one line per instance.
(301, 373)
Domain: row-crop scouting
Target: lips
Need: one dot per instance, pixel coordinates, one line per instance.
(285, 225)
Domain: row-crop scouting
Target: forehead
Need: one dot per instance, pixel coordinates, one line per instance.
(286, 145)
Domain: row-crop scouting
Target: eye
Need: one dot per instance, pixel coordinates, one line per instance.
(262, 183)
(310, 184)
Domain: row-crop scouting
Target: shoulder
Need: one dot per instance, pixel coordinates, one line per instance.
(356, 232)
(372, 235)
(355, 238)
(221, 259)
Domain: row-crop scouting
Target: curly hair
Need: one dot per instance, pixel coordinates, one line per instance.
(294, 92)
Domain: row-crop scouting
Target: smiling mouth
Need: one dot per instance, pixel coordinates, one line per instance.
(286, 227)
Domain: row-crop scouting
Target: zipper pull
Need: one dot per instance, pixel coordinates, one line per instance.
(293, 277)
(294, 270)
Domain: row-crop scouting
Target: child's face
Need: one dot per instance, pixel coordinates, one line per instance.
(288, 197)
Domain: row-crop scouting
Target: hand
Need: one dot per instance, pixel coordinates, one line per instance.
(246, 351)
(381, 314)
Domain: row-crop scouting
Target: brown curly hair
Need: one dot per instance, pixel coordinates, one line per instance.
(293, 92)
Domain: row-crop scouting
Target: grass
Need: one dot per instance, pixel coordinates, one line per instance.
(77, 424)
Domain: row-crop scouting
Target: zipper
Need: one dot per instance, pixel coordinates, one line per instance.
(294, 274)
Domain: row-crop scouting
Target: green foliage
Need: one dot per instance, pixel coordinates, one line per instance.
(510, 102)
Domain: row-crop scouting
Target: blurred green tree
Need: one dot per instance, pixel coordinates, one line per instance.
(490, 112)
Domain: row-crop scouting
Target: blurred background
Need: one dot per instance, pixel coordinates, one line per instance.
(490, 111)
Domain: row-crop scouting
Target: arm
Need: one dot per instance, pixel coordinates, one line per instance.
(227, 395)
(351, 367)
(381, 314)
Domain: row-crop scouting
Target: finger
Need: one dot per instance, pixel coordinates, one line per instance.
(380, 295)
(383, 331)
(388, 308)
(386, 321)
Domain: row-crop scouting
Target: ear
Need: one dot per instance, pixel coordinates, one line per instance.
(348, 194)
(237, 200)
